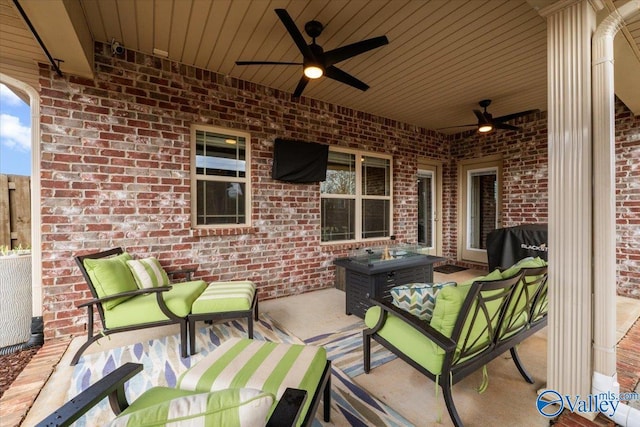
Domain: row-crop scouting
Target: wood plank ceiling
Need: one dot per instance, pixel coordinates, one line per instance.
(19, 51)
(442, 58)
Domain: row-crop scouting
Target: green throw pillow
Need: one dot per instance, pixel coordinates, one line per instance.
(417, 298)
(111, 276)
(230, 407)
(148, 273)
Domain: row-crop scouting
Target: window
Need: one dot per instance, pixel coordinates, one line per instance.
(220, 175)
(356, 197)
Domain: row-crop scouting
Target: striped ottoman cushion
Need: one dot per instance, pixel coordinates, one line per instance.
(225, 296)
(160, 406)
(266, 366)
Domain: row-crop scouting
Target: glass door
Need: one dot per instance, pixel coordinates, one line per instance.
(480, 207)
(426, 211)
(429, 206)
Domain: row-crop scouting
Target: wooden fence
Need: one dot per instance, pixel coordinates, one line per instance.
(15, 211)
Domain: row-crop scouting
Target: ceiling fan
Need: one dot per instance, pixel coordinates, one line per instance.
(315, 61)
(487, 123)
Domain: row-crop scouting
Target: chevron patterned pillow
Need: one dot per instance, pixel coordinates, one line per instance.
(418, 298)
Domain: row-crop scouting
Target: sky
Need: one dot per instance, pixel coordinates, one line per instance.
(15, 134)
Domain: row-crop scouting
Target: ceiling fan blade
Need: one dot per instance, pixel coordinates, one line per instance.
(295, 34)
(266, 63)
(499, 125)
(481, 117)
(339, 75)
(345, 52)
(515, 115)
(301, 85)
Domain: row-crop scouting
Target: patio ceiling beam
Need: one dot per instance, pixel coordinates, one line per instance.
(63, 29)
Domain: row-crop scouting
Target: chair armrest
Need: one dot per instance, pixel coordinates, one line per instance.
(186, 272)
(97, 301)
(288, 408)
(111, 386)
(442, 341)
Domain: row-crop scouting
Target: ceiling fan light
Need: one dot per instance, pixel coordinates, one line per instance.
(485, 127)
(313, 71)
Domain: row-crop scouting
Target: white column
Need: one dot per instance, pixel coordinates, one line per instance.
(604, 199)
(570, 25)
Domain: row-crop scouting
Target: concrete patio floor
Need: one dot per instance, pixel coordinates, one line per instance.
(507, 398)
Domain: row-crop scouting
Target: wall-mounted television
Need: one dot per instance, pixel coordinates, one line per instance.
(299, 161)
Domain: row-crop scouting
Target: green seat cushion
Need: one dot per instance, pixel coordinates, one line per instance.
(111, 276)
(148, 273)
(145, 309)
(225, 296)
(267, 366)
(417, 298)
(413, 343)
(159, 406)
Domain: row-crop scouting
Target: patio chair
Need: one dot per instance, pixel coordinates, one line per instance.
(137, 294)
(472, 324)
(237, 384)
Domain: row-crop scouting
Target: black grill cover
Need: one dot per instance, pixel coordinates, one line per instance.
(506, 246)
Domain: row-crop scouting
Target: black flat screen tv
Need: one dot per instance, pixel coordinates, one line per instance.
(299, 162)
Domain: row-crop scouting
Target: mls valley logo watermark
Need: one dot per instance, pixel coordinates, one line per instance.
(550, 403)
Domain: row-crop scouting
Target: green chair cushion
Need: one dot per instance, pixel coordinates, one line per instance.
(417, 298)
(528, 262)
(159, 406)
(111, 276)
(410, 341)
(148, 273)
(466, 285)
(268, 366)
(407, 339)
(518, 309)
(221, 297)
(144, 308)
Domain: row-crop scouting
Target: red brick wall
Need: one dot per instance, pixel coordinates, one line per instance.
(628, 201)
(115, 172)
(524, 154)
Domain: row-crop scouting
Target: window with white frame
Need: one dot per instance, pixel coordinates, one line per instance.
(220, 177)
(356, 197)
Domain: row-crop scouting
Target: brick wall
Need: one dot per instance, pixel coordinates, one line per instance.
(115, 172)
(628, 201)
(525, 173)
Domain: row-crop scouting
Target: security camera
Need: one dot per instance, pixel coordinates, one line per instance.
(116, 47)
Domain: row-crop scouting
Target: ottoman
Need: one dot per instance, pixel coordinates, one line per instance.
(224, 300)
(266, 366)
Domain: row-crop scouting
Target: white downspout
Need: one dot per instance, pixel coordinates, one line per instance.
(604, 222)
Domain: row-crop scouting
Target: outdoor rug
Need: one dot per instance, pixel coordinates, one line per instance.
(351, 405)
(344, 349)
